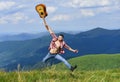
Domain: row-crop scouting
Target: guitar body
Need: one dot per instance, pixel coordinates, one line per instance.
(41, 9)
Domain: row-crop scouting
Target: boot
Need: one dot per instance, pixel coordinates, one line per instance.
(73, 68)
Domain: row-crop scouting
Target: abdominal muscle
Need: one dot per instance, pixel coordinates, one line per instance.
(54, 51)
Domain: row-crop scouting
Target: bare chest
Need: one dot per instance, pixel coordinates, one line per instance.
(58, 44)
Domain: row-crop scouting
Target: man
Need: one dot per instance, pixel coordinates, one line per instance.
(56, 48)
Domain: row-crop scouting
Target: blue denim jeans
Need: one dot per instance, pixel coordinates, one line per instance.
(56, 56)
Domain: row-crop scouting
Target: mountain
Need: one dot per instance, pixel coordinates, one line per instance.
(99, 41)
(20, 37)
(99, 32)
(27, 36)
(26, 52)
(30, 52)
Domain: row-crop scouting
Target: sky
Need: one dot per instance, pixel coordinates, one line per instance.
(20, 16)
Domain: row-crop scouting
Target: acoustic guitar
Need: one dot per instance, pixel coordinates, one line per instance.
(41, 9)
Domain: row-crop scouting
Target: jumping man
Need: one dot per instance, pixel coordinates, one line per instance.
(56, 48)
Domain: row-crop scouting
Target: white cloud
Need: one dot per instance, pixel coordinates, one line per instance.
(14, 18)
(87, 13)
(6, 5)
(87, 3)
(30, 20)
(93, 7)
(60, 17)
(51, 9)
(105, 2)
(11, 12)
(21, 6)
(2, 21)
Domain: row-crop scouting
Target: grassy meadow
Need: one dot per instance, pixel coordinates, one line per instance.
(91, 68)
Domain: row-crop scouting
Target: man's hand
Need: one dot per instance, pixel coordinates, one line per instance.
(75, 51)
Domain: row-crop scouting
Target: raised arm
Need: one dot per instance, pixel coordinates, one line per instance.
(47, 27)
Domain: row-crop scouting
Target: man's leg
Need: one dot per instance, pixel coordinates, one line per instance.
(63, 60)
(47, 57)
(72, 68)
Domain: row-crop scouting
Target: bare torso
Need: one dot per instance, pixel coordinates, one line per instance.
(57, 49)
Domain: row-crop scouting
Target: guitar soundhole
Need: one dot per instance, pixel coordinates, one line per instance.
(41, 13)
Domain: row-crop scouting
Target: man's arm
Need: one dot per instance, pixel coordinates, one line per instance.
(73, 50)
(69, 48)
(47, 27)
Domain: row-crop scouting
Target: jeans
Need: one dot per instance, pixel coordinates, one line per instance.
(56, 56)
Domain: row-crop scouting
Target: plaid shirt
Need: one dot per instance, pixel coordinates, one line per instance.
(62, 44)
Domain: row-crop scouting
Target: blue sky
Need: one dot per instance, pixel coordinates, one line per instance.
(19, 16)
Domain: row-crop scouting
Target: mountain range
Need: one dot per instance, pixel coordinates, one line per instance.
(27, 36)
(31, 52)
(21, 37)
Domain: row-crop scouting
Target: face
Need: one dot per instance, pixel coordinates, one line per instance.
(60, 38)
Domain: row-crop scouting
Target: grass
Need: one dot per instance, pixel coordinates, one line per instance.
(91, 68)
(53, 75)
(94, 62)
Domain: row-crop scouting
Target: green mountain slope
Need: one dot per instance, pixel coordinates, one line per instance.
(91, 68)
(94, 62)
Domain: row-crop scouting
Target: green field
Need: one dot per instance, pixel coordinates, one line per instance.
(91, 68)
(95, 62)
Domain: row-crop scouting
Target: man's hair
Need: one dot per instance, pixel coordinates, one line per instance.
(61, 35)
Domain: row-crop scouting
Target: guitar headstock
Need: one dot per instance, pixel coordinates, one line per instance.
(41, 9)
